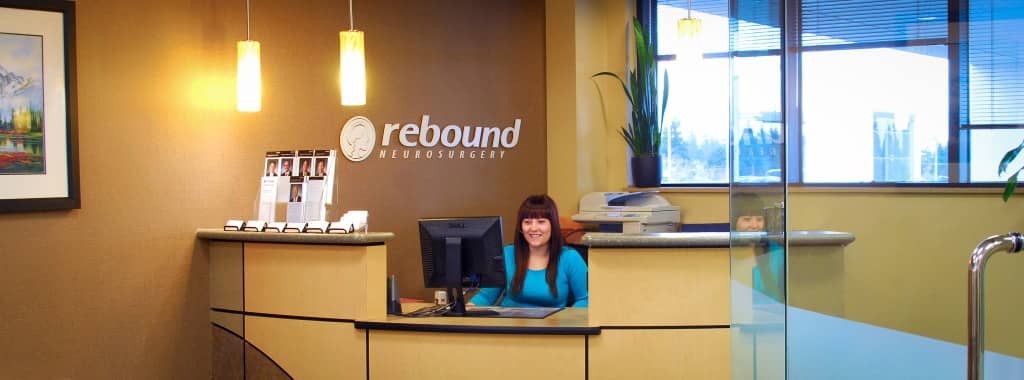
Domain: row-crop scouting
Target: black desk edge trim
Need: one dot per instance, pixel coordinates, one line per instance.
(666, 327)
(282, 316)
(229, 311)
(225, 329)
(478, 329)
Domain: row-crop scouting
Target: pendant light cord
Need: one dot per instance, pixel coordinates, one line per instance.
(351, 17)
(247, 28)
(689, 6)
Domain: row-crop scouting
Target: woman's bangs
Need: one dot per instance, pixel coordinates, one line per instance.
(535, 212)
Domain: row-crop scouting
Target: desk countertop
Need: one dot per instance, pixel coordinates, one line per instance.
(711, 239)
(569, 321)
(368, 238)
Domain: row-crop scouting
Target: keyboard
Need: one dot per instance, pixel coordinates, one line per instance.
(487, 311)
(519, 312)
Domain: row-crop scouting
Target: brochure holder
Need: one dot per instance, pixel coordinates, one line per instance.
(339, 228)
(295, 227)
(274, 227)
(298, 184)
(255, 226)
(353, 221)
(317, 227)
(234, 225)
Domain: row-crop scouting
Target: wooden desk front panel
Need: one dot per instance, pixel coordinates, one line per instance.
(227, 347)
(759, 353)
(403, 355)
(659, 286)
(310, 349)
(660, 354)
(226, 275)
(327, 281)
(816, 278)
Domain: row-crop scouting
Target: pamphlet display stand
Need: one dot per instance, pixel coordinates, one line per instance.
(303, 181)
(299, 184)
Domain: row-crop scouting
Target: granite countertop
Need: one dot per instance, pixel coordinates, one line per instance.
(366, 238)
(711, 239)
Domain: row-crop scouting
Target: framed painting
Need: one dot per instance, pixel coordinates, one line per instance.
(38, 134)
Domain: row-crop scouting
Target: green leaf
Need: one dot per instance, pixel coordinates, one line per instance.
(616, 76)
(664, 106)
(1011, 186)
(1009, 157)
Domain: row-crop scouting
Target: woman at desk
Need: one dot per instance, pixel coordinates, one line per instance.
(768, 275)
(540, 270)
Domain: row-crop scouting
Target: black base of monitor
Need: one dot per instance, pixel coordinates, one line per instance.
(459, 307)
(472, 313)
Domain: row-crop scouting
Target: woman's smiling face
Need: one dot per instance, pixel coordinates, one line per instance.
(537, 232)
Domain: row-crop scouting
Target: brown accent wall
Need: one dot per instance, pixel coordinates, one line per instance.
(119, 289)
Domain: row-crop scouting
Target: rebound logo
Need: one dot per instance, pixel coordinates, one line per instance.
(358, 138)
(426, 141)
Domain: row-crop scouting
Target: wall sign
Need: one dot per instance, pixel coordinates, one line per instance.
(357, 138)
(427, 140)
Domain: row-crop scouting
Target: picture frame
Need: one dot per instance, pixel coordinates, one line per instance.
(38, 108)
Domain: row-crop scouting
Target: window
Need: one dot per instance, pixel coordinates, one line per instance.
(697, 120)
(883, 96)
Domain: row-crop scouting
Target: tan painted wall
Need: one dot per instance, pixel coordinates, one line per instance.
(586, 153)
(907, 269)
(701, 206)
(119, 289)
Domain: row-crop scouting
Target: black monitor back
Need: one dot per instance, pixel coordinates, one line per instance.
(480, 238)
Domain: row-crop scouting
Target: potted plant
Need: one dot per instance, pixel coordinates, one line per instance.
(643, 133)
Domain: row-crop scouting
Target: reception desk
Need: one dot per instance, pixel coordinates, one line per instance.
(284, 305)
(673, 291)
(487, 348)
(312, 306)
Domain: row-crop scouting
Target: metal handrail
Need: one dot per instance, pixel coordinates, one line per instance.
(1012, 242)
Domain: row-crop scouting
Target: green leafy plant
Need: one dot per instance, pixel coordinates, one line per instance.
(1011, 183)
(643, 133)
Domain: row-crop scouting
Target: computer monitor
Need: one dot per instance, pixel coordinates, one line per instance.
(462, 252)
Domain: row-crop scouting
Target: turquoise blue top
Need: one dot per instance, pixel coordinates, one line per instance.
(572, 277)
(769, 275)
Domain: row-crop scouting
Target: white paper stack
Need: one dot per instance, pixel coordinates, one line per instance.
(352, 221)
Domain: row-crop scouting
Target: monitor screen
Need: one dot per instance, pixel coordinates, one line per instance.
(462, 252)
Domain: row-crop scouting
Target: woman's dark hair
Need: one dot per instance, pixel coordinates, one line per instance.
(746, 204)
(537, 207)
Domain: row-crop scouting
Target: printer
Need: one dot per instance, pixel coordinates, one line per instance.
(628, 212)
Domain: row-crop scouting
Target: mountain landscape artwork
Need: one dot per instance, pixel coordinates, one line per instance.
(22, 125)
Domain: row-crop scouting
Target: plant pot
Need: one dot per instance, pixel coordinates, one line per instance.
(646, 171)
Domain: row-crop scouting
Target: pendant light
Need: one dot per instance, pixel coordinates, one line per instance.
(249, 86)
(352, 67)
(688, 49)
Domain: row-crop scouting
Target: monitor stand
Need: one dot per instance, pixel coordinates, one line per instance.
(453, 270)
(459, 307)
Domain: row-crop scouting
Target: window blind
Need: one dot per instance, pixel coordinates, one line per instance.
(832, 22)
(755, 26)
(992, 76)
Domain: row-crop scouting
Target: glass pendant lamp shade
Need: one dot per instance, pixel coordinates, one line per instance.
(688, 47)
(352, 68)
(249, 86)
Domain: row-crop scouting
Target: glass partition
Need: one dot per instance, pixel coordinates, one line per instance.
(757, 191)
(863, 151)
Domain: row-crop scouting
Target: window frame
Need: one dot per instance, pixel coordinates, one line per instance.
(958, 145)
